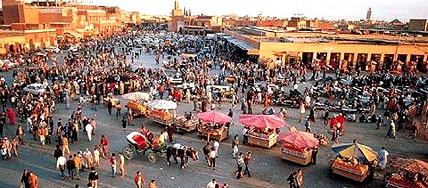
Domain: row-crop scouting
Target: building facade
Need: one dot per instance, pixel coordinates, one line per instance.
(355, 50)
(418, 25)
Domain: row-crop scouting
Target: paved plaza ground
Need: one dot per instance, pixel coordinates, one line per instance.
(268, 169)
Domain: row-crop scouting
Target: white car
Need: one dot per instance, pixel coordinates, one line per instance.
(35, 89)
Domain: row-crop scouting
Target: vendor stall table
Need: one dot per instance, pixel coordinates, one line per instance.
(262, 139)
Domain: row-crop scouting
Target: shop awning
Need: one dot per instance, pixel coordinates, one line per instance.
(241, 44)
(74, 34)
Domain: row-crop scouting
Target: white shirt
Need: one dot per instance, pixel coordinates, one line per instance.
(211, 184)
(89, 128)
(61, 161)
(96, 153)
(384, 155)
(212, 154)
(216, 145)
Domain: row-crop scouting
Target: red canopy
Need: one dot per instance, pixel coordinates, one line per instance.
(214, 117)
(299, 139)
(262, 121)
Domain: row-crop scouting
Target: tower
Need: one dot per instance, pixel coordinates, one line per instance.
(176, 11)
(369, 14)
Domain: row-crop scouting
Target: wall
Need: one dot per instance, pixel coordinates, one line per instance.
(268, 49)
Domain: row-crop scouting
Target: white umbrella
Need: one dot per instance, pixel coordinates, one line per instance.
(136, 96)
(162, 104)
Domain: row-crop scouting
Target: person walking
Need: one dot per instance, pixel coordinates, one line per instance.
(121, 164)
(25, 182)
(20, 134)
(14, 149)
(71, 166)
(235, 143)
(88, 129)
(104, 146)
(314, 155)
(78, 164)
(58, 152)
(299, 178)
(139, 179)
(113, 164)
(152, 184)
(245, 135)
(212, 184)
(383, 158)
(240, 163)
(33, 179)
(292, 181)
(308, 125)
(124, 123)
(216, 146)
(302, 110)
(93, 178)
(60, 164)
(97, 154)
(247, 160)
(212, 156)
(64, 143)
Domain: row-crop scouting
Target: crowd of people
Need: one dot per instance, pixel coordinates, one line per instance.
(100, 69)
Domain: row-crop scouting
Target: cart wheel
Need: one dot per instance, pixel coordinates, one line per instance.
(151, 157)
(128, 152)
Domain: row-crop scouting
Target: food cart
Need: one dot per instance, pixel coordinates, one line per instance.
(214, 125)
(137, 109)
(297, 147)
(162, 111)
(186, 123)
(406, 173)
(262, 132)
(262, 138)
(216, 131)
(356, 172)
(352, 161)
(136, 103)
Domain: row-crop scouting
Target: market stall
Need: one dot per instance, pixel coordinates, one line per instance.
(214, 125)
(262, 129)
(298, 146)
(136, 103)
(407, 173)
(162, 111)
(353, 161)
(186, 123)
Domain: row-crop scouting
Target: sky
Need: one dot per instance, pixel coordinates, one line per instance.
(327, 9)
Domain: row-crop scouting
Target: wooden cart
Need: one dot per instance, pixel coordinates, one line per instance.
(183, 124)
(161, 117)
(210, 132)
(303, 157)
(357, 172)
(137, 109)
(262, 139)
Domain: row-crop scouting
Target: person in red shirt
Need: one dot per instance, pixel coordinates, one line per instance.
(104, 146)
(139, 179)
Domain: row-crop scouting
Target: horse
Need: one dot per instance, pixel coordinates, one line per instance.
(183, 152)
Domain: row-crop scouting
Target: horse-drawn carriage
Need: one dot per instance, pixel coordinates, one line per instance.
(138, 143)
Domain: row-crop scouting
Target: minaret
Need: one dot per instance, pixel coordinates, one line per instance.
(176, 11)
